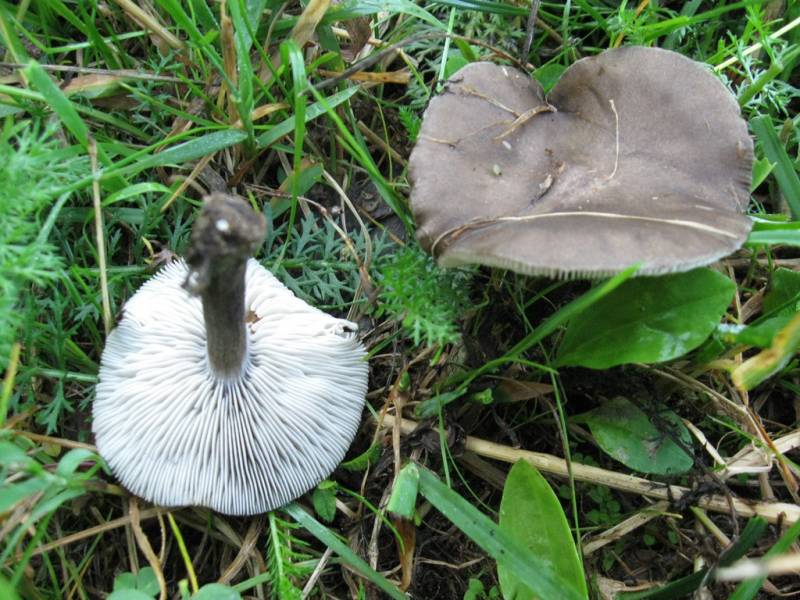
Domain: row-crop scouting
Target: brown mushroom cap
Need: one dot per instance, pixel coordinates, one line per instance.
(639, 155)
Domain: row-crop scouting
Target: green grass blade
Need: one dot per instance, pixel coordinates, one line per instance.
(327, 537)
(748, 589)
(314, 110)
(561, 316)
(785, 173)
(60, 104)
(532, 571)
(191, 150)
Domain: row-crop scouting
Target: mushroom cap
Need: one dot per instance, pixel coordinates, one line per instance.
(645, 160)
(176, 434)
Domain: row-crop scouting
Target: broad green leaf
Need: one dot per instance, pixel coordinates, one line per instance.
(650, 319)
(532, 571)
(563, 315)
(531, 514)
(627, 434)
(216, 591)
(13, 456)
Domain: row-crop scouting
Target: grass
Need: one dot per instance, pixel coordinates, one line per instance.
(179, 98)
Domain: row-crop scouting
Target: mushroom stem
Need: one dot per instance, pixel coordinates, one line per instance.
(225, 235)
(223, 312)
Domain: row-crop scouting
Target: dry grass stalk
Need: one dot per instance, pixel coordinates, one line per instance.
(771, 511)
(146, 548)
(623, 528)
(149, 22)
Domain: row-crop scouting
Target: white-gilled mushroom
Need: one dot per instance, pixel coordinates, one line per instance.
(237, 396)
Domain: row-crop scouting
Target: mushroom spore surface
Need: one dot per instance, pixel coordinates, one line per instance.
(177, 433)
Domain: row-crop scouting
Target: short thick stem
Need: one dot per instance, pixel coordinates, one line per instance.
(223, 311)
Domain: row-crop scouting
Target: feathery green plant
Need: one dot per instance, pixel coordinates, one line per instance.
(33, 167)
(427, 300)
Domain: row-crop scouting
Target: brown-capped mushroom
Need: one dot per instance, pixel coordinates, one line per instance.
(237, 396)
(638, 155)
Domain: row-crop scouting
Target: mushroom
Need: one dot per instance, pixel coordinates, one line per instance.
(638, 155)
(237, 396)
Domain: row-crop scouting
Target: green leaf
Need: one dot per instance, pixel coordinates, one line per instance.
(783, 297)
(650, 319)
(784, 171)
(363, 460)
(403, 500)
(531, 514)
(532, 571)
(781, 303)
(627, 434)
(549, 74)
(125, 581)
(127, 594)
(324, 501)
(147, 582)
(137, 189)
(216, 591)
(72, 460)
(768, 362)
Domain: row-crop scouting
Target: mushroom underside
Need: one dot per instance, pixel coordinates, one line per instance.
(176, 434)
